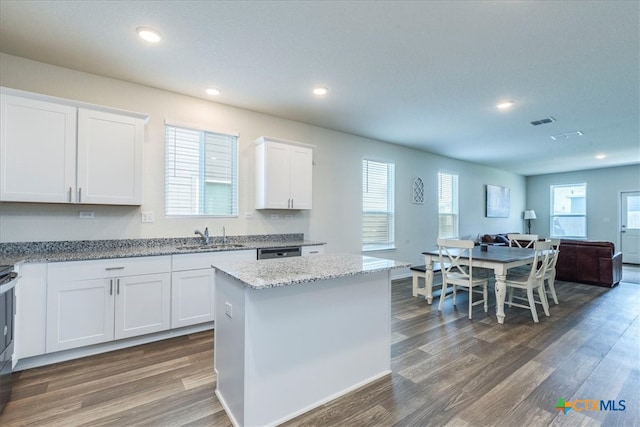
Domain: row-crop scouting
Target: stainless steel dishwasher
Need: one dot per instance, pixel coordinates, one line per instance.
(287, 252)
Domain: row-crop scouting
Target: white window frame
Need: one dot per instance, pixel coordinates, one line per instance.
(555, 218)
(448, 205)
(195, 201)
(382, 205)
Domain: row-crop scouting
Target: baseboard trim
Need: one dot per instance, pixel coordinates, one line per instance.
(76, 353)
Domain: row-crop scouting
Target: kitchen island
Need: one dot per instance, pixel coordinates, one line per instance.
(294, 333)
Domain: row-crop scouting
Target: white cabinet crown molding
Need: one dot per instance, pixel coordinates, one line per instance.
(70, 102)
(264, 139)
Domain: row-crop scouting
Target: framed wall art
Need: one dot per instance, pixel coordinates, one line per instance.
(498, 201)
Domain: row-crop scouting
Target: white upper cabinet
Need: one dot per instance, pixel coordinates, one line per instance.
(60, 151)
(284, 172)
(37, 150)
(109, 158)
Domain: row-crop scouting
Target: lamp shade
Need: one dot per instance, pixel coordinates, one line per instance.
(531, 214)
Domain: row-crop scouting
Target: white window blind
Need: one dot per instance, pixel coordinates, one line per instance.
(447, 205)
(377, 205)
(569, 211)
(201, 173)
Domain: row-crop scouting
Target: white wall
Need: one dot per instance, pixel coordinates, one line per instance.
(603, 198)
(335, 217)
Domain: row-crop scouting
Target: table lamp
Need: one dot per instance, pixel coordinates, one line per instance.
(529, 215)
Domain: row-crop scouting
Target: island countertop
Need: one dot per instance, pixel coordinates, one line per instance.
(273, 273)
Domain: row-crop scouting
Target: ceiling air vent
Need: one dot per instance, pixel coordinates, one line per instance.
(543, 121)
(566, 135)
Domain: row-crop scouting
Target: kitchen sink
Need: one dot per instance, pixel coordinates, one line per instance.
(210, 247)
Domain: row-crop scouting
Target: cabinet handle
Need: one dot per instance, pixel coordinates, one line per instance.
(110, 286)
(118, 286)
(79, 195)
(70, 189)
(114, 268)
(291, 203)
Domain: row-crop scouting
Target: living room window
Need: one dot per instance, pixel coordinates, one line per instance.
(377, 205)
(569, 211)
(447, 205)
(201, 173)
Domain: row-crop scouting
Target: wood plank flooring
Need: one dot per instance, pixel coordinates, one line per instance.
(447, 371)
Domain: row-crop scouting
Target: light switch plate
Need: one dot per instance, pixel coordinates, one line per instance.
(228, 309)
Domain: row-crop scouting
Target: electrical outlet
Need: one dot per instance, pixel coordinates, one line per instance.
(248, 215)
(288, 216)
(86, 214)
(148, 217)
(275, 216)
(228, 309)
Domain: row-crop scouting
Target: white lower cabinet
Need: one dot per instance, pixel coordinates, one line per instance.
(192, 297)
(31, 310)
(91, 302)
(68, 305)
(143, 305)
(193, 285)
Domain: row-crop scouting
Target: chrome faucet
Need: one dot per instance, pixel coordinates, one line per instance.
(205, 235)
(224, 236)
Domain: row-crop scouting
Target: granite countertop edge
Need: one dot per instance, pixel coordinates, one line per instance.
(323, 267)
(41, 252)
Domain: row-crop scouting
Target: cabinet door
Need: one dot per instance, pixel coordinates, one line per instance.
(31, 311)
(276, 176)
(109, 158)
(143, 304)
(37, 150)
(192, 299)
(79, 313)
(301, 168)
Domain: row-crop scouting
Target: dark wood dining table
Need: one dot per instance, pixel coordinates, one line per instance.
(498, 258)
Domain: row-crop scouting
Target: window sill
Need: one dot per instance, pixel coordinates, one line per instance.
(388, 248)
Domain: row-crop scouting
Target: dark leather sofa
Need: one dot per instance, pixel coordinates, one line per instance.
(591, 262)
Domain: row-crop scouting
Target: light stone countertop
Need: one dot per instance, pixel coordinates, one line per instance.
(273, 273)
(14, 253)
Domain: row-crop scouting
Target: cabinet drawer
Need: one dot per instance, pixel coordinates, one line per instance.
(105, 268)
(198, 261)
(312, 250)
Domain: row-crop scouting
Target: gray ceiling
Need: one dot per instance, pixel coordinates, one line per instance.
(422, 74)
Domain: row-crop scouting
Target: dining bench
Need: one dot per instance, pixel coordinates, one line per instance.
(420, 272)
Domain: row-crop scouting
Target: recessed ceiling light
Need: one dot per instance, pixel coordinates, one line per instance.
(320, 91)
(600, 156)
(213, 91)
(505, 105)
(149, 34)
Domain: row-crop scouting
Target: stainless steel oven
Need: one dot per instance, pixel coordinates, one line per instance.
(8, 280)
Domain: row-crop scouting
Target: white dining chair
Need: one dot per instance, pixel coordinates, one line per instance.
(457, 274)
(550, 274)
(532, 281)
(517, 240)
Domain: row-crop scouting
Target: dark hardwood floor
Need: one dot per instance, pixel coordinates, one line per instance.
(447, 370)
